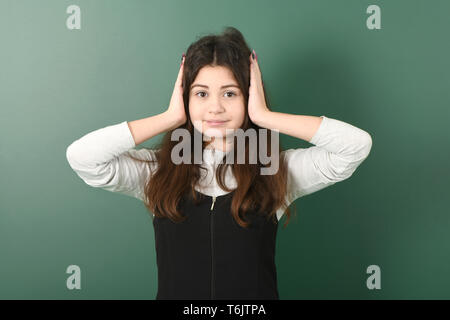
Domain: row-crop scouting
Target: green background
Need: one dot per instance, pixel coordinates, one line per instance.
(316, 57)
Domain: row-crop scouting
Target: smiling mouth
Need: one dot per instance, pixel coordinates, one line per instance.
(216, 122)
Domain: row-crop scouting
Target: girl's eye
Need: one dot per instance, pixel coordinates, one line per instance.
(199, 93)
(228, 92)
(233, 94)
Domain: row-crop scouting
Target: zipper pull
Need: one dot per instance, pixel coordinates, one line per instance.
(212, 205)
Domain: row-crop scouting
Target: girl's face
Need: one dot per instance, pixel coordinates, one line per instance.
(215, 96)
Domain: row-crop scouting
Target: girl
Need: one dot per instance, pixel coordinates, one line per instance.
(215, 223)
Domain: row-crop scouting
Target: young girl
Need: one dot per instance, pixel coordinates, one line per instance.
(215, 223)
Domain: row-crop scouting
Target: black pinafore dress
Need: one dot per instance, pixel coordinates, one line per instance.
(209, 256)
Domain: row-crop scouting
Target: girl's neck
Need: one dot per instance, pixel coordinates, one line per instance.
(220, 144)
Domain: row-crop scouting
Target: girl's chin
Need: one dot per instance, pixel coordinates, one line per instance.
(217, 130)
(218, 133)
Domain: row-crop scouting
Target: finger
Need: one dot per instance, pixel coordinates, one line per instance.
(255, 73)
(252, 70)
(180, 72)
(255, 61)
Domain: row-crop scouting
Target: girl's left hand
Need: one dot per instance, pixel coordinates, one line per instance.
(257, 108)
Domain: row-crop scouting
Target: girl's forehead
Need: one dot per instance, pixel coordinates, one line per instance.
(215, 73)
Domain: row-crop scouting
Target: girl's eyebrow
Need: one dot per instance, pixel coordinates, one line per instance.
(222, 87)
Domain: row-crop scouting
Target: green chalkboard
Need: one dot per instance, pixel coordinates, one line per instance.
(382, 68)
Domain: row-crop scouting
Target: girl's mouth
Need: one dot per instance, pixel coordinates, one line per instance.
(216, 123)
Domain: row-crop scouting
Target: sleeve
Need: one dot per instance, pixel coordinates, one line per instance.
(102, 159)
(339, 148)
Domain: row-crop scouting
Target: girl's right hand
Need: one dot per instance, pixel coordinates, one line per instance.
(176, 106)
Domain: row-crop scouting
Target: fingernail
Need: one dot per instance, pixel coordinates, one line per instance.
(253, 54)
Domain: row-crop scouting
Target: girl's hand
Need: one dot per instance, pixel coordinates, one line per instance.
(176, 106)
(257, 108)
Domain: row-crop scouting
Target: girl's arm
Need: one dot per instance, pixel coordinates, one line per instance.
(339, 148)
(102, 159)
(299, 126)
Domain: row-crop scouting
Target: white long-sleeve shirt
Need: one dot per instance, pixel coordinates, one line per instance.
(102, 159)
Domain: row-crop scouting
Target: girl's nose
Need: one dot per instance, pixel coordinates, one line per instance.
(216, 107)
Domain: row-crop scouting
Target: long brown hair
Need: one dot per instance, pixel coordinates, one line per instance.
(169, 182)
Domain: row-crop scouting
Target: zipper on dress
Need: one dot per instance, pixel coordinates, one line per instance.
(212, 249)
(212, 235)
(213, 201)
(214, 167)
